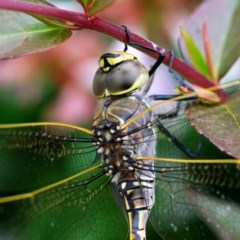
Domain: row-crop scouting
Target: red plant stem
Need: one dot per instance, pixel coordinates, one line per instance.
(100, 25)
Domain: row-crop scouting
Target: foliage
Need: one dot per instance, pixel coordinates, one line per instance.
(30, 28)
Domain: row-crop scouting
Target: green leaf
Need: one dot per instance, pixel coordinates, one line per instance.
(43, 19)
(220, 123)
(22, 34)
(223, 31)
(50, 21)
(194, 54)
(92, 7)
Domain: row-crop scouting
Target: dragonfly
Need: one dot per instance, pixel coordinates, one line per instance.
(132, 167)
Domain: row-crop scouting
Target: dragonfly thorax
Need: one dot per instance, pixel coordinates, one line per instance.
(116, 157)
(119, 145)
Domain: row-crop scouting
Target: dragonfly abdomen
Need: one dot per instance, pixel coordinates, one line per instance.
(138, 197)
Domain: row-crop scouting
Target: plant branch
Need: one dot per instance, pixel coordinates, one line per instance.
(97, 24)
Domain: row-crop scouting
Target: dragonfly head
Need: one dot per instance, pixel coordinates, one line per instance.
(119, 73)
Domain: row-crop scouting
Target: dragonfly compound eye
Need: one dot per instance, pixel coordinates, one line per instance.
(119, 73)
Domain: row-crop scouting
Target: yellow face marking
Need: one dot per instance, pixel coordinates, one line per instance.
(106, 69)
(101, 63)
(119, 57)
(111, 59)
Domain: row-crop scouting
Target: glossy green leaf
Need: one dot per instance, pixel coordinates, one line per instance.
(43, 2)
(92, 7)
(23, 34)
(223, 32)
(220, 123)
(194, 54)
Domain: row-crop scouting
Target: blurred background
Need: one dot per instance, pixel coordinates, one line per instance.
(56, 85)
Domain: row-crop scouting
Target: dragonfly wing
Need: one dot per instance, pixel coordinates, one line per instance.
(35, 156)
(54, 190)
(187, 196)
(68, 212)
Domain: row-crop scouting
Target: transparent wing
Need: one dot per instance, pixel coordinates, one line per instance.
(180, 129)
(40, 154)
(57, 191)
(191, 200)
(220, 123)
(49, 186)
(194, 200)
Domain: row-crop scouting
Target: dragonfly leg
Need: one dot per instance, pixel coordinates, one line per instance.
(168, 97)
(156, 97)
(173, 114)
(158, 61)
(177, 143)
